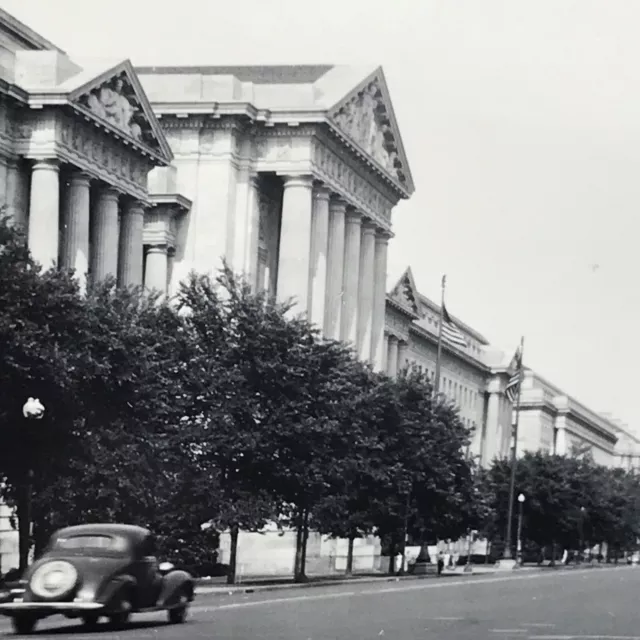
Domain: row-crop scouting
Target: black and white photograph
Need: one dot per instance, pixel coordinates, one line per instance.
(317, 319)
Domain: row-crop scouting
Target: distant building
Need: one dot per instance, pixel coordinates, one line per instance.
(474, 378)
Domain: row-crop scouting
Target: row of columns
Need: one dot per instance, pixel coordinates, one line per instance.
(333, 262)
(396, 355)
(103, 240)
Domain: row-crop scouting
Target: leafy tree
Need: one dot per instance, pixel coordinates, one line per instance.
(246, 380)
(359, 471)
(39, 313)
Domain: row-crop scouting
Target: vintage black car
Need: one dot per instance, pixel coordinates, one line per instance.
(98, 570)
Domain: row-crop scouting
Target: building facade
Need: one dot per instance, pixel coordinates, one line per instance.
(474, 379)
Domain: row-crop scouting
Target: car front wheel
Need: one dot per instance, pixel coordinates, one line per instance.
(121, 615)
(23, 625)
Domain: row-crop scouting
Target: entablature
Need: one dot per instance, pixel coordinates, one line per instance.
(55, 133)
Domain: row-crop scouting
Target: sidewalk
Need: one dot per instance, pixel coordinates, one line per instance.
(217, 586)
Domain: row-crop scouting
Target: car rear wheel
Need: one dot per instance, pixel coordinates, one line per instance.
(90, 622)
(23, 624)
(178, 614)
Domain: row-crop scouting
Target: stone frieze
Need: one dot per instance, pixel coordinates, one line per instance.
(365, 195)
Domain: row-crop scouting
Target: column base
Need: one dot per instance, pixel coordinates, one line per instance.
(506, 564)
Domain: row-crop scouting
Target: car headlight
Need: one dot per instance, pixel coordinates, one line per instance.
(53, 579)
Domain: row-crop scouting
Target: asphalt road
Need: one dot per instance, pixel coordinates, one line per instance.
(596, 604)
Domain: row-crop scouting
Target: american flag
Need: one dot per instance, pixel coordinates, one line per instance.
(511, 390)
(451, 333)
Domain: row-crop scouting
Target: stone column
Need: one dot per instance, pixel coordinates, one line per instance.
(74, 253)
(366, 289)
(385, 352)
(254, 231)
(560, 440)
(319, 246)
(17, 213)
(44, 212)
(492, 445)
(335, 268)
(392, 356)
(131, 244)
(156, 268)
(104, 235)
(403, 349)
(295, 242)
(378, 346)
(351, 277)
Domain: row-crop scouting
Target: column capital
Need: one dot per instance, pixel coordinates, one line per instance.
(292, 180)
(108, 192)
(337, 203)
(382, 236)
(47, 164)
(353, 216)
(157, 248)
(321, 192)
(133, 205)
(392, 338)
(78, 176)
(368, 227)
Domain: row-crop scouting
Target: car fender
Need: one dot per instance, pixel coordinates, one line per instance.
(114, 587)
(172, 584)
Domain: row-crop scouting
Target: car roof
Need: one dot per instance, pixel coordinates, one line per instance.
(133, 532)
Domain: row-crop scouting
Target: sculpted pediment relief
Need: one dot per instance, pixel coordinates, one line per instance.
(118, 100)
(365, 119)
(406, 294)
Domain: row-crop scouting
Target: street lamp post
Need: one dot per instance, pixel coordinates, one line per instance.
(521, 500)
(405, 529)
(32, 409)
(582, 553)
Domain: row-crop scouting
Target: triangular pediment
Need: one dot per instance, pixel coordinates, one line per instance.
(366, 116)
(117, 98)
(406, 295)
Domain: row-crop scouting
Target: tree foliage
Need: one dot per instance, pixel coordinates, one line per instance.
(569, 501)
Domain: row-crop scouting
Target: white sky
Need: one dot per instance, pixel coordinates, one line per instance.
(521, 120)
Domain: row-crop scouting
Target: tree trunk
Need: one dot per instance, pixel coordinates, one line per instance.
(392, 558)
(24, 520)
(349, 570)
(234, 533)
(301, 546)
(305, 540)
(553, 554)
(298, 560)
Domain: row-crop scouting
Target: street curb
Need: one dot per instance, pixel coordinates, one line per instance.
(230, 590)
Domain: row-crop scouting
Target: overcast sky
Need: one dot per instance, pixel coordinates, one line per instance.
(521, 120)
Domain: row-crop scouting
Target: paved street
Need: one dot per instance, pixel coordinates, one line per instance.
(600, 604)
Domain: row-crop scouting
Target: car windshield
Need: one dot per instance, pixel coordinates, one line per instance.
(91, 543)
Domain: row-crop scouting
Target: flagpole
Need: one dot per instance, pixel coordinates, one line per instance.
(512, 482)
(436, 385)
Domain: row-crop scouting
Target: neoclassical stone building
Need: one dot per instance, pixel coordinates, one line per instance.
(475, 377)
(292, 173)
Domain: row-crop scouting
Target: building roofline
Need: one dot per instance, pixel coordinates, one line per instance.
(27, 35)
